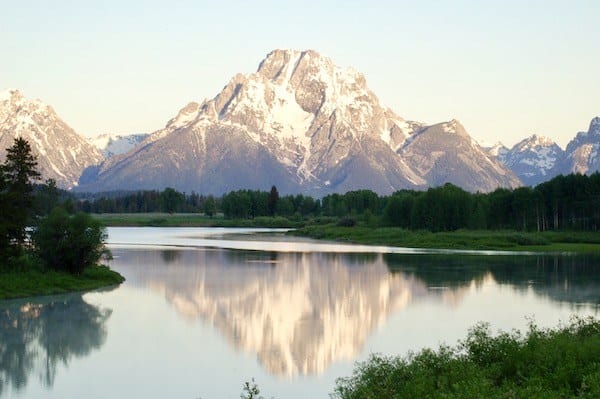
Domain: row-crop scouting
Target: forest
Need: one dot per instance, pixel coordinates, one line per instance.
(569, 202)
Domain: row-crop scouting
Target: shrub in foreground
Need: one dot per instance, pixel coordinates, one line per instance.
(544, 363)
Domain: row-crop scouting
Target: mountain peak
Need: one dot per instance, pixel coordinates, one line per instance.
(278, 61)
(536, 140)
(307, 67)
(454, 127)
(62, 153)
(17, 101)
(595, 126)
(11, 95)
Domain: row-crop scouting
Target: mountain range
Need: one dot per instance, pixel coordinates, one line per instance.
(305, 125)
(299, 122)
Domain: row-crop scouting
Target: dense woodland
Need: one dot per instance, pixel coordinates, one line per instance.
(564, 203)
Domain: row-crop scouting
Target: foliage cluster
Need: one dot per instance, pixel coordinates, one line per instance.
(543, 363)
(69, 243)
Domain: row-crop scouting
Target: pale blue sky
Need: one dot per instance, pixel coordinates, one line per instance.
(505, 69)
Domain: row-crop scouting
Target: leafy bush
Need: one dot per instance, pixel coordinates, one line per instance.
(70, 243)
(545, 363)
(347, 222)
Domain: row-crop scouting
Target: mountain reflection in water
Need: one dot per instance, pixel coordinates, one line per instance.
(299, 312)
(38, 334)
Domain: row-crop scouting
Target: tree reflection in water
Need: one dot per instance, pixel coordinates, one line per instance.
(37, 335)
(572, 279)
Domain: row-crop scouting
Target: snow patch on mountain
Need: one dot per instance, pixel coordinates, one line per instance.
(115, 144)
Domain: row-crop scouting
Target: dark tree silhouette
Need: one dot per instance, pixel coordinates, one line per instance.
(272, 200)
(16, 182)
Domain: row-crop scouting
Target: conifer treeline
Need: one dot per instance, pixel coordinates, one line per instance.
(564, 203)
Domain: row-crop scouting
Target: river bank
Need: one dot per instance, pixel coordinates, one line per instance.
(326, 228)
(580, 242)
(20, 284)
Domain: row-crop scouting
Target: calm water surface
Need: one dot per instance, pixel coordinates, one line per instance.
(204, 310)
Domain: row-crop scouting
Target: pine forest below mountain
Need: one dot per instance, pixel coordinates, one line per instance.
(565, 203)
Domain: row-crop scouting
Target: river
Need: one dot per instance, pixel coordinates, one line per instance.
(203, 310)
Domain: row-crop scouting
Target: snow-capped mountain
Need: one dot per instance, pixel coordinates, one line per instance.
(115, 144)
(299, 122)
(582, 154)
(534, 159)
(445, 153)
(62, 154)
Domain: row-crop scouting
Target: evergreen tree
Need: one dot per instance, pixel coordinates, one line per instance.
(4, 209)
(19, 171)
(47, 197)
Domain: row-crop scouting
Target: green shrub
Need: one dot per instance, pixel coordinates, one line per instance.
(544, 363)
(70, 243)
(347, 222)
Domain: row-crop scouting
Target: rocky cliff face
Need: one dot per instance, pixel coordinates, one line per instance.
(298, 122)
(62, 154)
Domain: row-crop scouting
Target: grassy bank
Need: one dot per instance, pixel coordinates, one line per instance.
(189, 220)
(543, 363)
(17, 284)
(461, 239)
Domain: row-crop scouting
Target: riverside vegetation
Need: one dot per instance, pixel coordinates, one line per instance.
(543, 363)
(559, 362)
(562, 214)
(43, 248)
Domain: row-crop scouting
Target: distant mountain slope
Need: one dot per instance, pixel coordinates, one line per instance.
(110, 145)
(534, 159)
(303, 124)
(445, 153)
(62, 154)
(497, 151)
